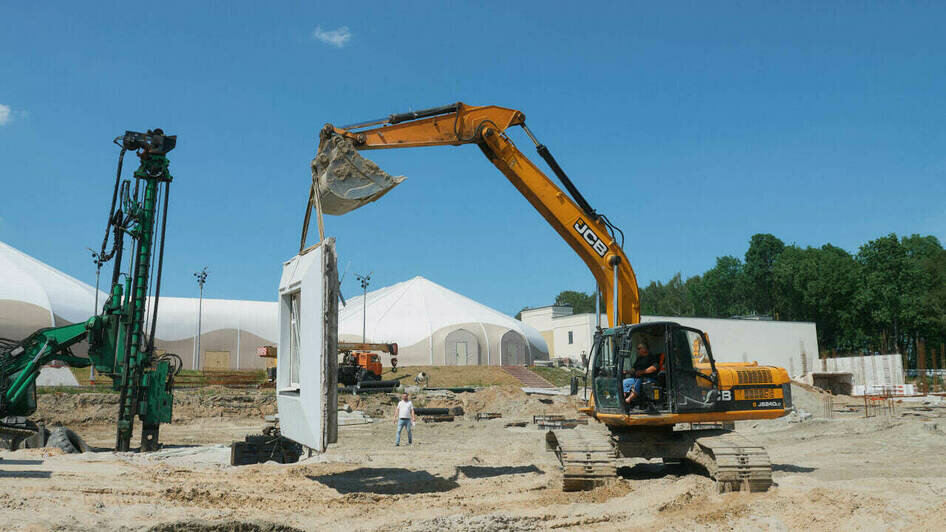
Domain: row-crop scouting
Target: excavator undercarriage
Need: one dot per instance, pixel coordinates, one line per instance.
(591, 456)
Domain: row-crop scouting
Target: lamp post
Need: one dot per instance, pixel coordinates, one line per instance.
(365, 280)
(99, 260)
(201, 277)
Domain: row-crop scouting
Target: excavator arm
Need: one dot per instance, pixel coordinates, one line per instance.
(588, 233)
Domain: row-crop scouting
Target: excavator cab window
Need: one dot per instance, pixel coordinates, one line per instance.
(654, 337)
(693, 373)
(606, 375)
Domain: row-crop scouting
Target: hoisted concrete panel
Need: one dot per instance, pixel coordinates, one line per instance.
(307, 356)
(461, 349)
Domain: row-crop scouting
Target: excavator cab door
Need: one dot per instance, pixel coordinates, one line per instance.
(693, 379)
(606, 375)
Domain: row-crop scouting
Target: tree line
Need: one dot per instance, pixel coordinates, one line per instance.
(885, 298)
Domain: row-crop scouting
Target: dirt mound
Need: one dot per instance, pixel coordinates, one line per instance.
(808, 399)
(90, 408)
(510, 401)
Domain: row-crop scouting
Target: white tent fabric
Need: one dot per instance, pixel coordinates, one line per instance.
(56, 376)
(418, 314)
(27, 280)
(34, 295)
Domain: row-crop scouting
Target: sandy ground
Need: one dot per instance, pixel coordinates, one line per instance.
(846, 472)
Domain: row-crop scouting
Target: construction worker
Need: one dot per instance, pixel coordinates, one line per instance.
(645, 367)
(404, 415)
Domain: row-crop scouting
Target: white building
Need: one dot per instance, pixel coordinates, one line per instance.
(788, 344)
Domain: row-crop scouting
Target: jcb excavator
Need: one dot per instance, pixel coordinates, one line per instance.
(685, 411)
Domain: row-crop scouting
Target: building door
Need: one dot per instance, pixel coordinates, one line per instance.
(461, 354)
(513, 347)
(216, 360)
(461, 348)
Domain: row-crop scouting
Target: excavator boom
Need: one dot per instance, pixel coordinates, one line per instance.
(343, 181)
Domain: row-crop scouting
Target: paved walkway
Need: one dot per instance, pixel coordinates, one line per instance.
(527, 377)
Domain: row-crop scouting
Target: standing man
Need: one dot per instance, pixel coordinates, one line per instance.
(405, 418)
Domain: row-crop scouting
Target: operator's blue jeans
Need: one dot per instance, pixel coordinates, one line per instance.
(401, 423)
(634, 383)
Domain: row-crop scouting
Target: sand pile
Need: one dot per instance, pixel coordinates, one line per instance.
(90, 408)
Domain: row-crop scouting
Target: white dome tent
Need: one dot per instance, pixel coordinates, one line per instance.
(436, 326)
(431, 324)
(34, 294)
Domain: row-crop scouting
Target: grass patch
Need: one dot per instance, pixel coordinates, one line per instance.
(557, 376)
(82, 375)
(42, 390)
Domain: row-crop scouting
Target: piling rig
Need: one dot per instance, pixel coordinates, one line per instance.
(121, 336)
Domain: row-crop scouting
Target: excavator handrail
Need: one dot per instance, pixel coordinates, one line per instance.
(586, 232)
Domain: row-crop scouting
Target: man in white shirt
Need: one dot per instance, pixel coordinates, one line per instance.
(405, 418)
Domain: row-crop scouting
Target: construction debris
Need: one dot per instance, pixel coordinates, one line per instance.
(265, 447)
(557, 422)
(356, 417)
(437, 418)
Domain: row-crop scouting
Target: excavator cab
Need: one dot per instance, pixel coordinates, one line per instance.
(685, 380)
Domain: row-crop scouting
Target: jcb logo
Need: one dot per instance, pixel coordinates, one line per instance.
(590, 237)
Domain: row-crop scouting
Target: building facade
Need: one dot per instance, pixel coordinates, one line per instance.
(788, 344)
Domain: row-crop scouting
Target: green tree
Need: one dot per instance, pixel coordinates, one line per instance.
(720, 292)
(580, 302)
(889, 296)
(819, 285)
(764, 250)
(928, 306)
(670, 299)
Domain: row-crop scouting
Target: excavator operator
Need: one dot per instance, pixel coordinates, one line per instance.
(644, 367)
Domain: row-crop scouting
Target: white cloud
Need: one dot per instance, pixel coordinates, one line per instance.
(5, 114)
(338, 37)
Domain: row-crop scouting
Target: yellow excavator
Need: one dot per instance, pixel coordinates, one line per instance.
(684, 406)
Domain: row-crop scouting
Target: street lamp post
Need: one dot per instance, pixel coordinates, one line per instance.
(201, 277)
(365, 280)
(99, 260)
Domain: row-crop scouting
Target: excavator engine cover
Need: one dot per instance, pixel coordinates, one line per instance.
(344, 179)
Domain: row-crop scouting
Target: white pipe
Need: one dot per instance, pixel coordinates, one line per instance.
(615, 320)
(597, 306)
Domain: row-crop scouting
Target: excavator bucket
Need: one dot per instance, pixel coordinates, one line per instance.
(344, 179)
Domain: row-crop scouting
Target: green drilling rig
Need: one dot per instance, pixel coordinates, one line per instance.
(120, 344)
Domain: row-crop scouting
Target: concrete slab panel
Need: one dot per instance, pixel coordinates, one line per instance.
(307, 355)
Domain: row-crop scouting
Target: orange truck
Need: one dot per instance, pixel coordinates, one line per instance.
(361, 362)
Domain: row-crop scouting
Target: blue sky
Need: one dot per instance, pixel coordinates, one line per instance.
(691, 126)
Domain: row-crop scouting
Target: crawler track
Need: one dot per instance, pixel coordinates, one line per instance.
(733, 461)
(587, 457)
(590, 457)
